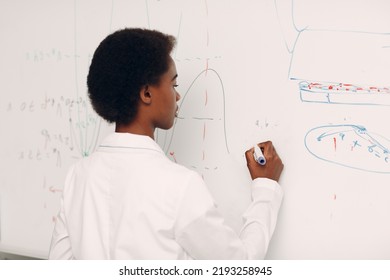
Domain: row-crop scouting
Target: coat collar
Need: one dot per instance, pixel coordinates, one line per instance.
(130, 141)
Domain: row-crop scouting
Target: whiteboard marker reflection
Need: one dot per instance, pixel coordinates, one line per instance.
(258, 155)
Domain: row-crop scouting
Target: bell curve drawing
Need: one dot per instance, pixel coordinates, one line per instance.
(202, 108)
(350, 146)
(198, 138)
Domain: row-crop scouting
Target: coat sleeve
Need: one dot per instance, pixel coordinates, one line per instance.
(201, 231)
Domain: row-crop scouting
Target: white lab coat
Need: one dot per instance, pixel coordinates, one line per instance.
(129, 201)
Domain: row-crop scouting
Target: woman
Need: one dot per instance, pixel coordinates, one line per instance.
(128, 200)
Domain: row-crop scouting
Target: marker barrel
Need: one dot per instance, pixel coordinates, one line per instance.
(258, 155)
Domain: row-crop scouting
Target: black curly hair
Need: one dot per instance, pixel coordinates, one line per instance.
(123, 63)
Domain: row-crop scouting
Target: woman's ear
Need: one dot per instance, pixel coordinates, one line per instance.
(145, 95)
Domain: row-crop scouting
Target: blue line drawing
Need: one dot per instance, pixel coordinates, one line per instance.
(332, 52)
(351, 146)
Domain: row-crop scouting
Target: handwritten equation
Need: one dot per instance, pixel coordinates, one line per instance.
(79, 135)
(350, 146)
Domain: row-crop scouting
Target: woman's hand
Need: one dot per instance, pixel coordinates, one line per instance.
(273, 167)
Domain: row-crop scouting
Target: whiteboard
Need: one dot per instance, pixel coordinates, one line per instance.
(300, 73)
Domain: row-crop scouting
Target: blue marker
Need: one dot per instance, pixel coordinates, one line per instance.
(258, 155)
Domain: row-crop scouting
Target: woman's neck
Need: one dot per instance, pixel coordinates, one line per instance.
(135, 127)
